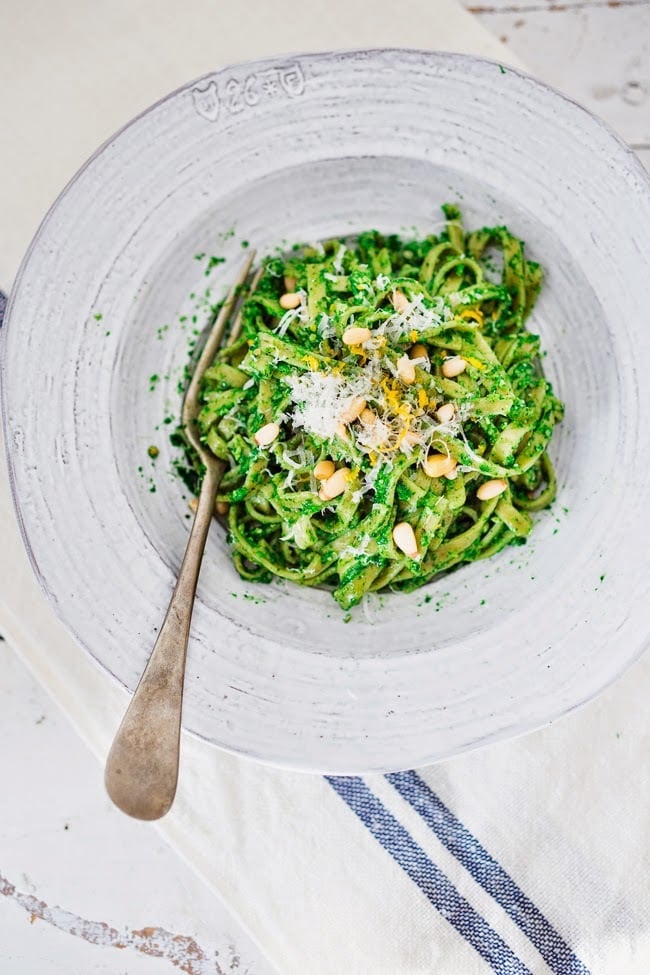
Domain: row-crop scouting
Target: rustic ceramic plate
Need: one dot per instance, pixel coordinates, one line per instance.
(110, 295)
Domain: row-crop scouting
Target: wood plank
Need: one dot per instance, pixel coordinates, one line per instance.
(598, 54)
(74, 870)
(552, 6)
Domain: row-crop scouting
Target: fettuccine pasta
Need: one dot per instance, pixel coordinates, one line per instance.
(383, 415)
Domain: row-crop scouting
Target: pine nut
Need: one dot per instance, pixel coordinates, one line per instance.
(454, 366)
(354, 409)
(451, 475)
(404, 538)
(266, 434)
(334, 485)
(406, 370)
(412, 438)
(324, 469)
(342, 431)
(289, 282)
(491, 489)
(445, 413)
(438, 465)
(400, 301)
(222, 507)
(367, 417)
(356, 336)
(418, 351)
(290, 300)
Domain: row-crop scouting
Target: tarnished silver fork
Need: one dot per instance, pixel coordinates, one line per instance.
(142, 766)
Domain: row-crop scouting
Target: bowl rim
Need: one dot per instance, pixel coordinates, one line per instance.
(452, 58)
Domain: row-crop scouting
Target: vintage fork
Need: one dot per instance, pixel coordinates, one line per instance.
(142, 766)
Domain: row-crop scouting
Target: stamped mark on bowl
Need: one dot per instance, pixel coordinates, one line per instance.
(235, 95)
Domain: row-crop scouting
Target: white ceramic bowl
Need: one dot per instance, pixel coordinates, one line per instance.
(301, 148)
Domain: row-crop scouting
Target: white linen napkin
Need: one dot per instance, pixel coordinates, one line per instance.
(530, 856)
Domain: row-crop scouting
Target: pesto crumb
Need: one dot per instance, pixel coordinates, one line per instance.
(153, 451)
(212, 263)
(98, 316)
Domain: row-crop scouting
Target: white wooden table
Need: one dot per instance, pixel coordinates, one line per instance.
(84, 889)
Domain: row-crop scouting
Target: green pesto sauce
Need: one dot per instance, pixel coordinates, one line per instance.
(461, 302)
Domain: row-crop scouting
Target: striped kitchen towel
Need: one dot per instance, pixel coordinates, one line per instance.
(530, 856)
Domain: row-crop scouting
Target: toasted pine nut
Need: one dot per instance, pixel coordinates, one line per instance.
(451, 475)
(406, 370)
(193, 504)
(367, 417)
(400, 301)
(222, 507)
(342, 431)
(438, 465)
(454, 366)
(289, 282)
(404, 538)
(490, 489)
(334, 485)
(290, 300)
(354, 409)
(266, 434)
(356, 336)
(445, 413)
(412, 438)
(418, 351)
(324, 469)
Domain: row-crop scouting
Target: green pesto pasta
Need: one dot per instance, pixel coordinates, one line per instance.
(383, 415)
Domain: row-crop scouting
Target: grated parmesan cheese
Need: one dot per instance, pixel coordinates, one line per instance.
(337, 263)
(320, 399)
(290, 316)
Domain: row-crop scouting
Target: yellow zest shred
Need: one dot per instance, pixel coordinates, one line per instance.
(473, 314)
(391, 392)
(423, 399)
(474, 362)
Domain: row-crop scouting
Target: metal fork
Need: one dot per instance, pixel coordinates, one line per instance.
(142, 766)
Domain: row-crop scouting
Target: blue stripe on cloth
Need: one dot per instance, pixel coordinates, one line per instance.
(488, 873)
(429, 878)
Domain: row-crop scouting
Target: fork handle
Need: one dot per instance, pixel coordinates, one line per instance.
(142, 766)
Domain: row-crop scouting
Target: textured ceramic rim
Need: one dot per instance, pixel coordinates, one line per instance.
(635, 165)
